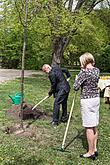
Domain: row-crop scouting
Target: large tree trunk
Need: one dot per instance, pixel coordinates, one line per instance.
(59, 46)
(60, 43)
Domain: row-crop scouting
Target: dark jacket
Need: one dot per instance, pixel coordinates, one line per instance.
(66, 72)
(58, 81)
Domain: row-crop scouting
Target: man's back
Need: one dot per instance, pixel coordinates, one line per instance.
(58, 80)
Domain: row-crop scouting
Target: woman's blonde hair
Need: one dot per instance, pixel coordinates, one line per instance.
(86, 58)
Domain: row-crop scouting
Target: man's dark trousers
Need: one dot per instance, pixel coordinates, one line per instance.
(60, 99)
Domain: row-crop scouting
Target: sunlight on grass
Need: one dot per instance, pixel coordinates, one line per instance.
(42, 149)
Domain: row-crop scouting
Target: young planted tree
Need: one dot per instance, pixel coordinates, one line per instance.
(26, 11)
(23, 58)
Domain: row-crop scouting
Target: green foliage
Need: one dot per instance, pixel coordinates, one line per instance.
(104, 15)
(103, 60)
(47, 20)
(61, 20)
(10, 37)
(91, 36)
(38, 46)
(39, 42)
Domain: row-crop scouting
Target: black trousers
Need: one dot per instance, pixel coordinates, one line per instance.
(60, 99)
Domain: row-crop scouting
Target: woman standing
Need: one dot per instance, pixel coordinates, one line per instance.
(88, 79)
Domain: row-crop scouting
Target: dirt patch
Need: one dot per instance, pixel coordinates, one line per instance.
(22, 132)
(27, 133)
(27, 113)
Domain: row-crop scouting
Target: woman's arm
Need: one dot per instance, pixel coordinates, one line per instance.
(79, 80)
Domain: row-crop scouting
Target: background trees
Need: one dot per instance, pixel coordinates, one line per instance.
(58, 31)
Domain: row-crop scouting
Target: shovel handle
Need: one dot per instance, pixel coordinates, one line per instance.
(40, 102)
(68, 121)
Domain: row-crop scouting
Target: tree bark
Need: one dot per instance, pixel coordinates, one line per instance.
(79, 4)
(70, 5)
(23, 61)
(59, 46)
(60, 43)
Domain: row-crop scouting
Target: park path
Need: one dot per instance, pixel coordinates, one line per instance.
(12, 74)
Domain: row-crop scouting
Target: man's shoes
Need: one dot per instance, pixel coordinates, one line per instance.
(54, 124)
(93, 157)
(107, 102)
(64, 119)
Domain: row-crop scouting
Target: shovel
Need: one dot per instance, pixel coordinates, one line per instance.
(63, 143)
(40, 102)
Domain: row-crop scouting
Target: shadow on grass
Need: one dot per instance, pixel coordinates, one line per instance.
(80, 135)
(29, 161)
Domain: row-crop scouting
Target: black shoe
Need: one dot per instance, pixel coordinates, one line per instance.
(90, 157)
(96, 153)
(107, 102)
(64, 119)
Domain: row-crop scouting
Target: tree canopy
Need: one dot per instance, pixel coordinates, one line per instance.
(58, 32)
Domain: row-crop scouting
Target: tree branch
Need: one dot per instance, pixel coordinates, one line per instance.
(65, 2)
(98, 2)
(108, 2)
(70, 5)
(79, 4)
(93, 4)
(18, 13)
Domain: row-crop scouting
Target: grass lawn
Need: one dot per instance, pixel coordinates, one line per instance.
(42, 148)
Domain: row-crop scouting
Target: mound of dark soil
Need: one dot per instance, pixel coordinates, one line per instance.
(27, 112)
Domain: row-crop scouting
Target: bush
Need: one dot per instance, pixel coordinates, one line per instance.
(103, 61)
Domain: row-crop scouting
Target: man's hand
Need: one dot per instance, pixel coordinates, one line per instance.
(50, 93)
(68, 79)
